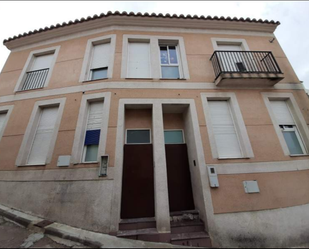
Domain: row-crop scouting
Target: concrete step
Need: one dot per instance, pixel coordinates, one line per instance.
(149, 234)
(128, 233)
(179, 213)
(184, 215)
(187, 226)
(195, 239)
(135, 224)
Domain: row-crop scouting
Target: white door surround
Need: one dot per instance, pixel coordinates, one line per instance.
(201, 189)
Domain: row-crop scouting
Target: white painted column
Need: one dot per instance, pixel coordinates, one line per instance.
(162, 212)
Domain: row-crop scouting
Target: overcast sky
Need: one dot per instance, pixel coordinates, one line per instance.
(293, 33)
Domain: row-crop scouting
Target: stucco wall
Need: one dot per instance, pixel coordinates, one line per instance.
(198, 49)
(282, 228)
(262, 135)
(76, 197)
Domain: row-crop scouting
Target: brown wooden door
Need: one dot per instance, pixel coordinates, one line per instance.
(138, 183)
(179, 178)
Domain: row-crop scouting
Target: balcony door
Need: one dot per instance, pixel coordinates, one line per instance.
(234, 58)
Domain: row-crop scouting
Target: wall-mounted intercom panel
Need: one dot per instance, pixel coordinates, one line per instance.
(103, 165)
(213, 177)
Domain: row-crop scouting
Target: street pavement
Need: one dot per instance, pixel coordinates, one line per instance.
(15, 236)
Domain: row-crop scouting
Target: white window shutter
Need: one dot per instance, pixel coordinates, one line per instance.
(43, 136)
(100, 56)
(282, 112)
(138, 60)
(2, 119)
(42, 62)
(95, 115)
(224, 130)
(230, 47)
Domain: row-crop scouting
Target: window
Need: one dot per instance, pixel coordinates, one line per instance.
(37, 71)
(5, 112)
(226, 137)
(169, 62)
(99, 59)
(288, 127)
(93, 131)
(289, 123)
(235, 62)
(226, 129)
(139, 60)
(155, 57)
(41, 133)
(173, 137)
(43, 136)
(138, 136)
(2, 120)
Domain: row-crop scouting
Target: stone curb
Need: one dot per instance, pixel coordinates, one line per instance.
(49, 230)
(85, 242)
(20, 220)
(84, 237)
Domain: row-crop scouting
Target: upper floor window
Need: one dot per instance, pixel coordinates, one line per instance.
(99, 59)
(139, 64)
(154, 57)
(37, 71)
(169, 62)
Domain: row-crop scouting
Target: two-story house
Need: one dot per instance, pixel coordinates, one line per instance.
(182, 129)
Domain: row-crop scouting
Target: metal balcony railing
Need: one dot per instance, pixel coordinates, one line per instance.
(35, 79)
(244, 62)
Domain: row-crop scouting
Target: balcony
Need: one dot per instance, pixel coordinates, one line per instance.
(245, 68)
(35, 79)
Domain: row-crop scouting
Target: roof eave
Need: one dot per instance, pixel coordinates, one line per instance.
(141, 21)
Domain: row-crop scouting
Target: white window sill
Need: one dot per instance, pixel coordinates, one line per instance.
(93, 162)
(232, 158)
(173, 79)
(32, 165)
(299, 155)
(139, 78)
(21, 91)
(88, 81)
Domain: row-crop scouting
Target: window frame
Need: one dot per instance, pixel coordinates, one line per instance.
(242, 42)
(299, 138)
(180, 72)
(155, 61)
(31, 56)
(87, 118)
(30, 132)
(241, 131)
(138, 129)
(5, 110)
(80, 132)
(86, 73)
(296, 113)
(183, 134)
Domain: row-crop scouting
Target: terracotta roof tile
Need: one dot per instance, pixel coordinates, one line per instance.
(124, 13)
